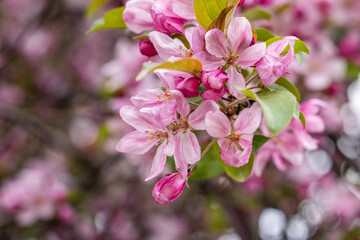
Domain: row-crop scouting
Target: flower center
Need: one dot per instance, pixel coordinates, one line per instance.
(165, 97)
(186, 52)
(157, 135)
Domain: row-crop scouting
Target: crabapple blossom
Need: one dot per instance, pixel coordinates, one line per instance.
(235, 139)
(273, 65)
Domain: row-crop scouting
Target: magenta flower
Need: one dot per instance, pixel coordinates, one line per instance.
(214, 82)
(169, 188)
(231, 52)
(188, 86)
(235, 140)
(149, 132)
(273, 65)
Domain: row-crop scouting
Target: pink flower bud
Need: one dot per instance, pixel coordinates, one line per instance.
(214, 79)
(188, 86)
(169, 188)
(147, 48)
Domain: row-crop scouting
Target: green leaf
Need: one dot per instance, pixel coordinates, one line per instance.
(208, 11)
(209, 166)
(220, 22)
(296, 113)
(278, 108)
(256, 13)
(190, 65)
(146, 35)
(146, 68)
(94, 6)
(257, 143)
(302, 119)
(263, 34)
(112, 19)
(300, 47)
(239, 174)
(289, 86)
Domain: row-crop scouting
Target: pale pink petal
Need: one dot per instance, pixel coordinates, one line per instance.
(248, 120)
(197, 118)
(182, 105)
(195, 36)
(239, 33)
(184, 8)
(249, 56)
(135, 142)
(235, 79)
(170, 145)
(216, 43)
(308, 142)
(209, 62)
(158, 163)
(137, 15)
(139, 120)
(278, 161)
(179, 158)
(191, 148)
(166, 46)
(217, 124)
(314, 124)
(261, 159)
(147, 97)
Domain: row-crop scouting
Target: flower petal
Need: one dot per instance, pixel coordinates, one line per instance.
(248, 120)
(209, 62)
(158, 163)
(135, 142)
(217, 124)
(239, 33)
(197, 118)
(216, 43)
(140, 120)
(235, 79)
(166, 46)
(251, 55)
(191, 148)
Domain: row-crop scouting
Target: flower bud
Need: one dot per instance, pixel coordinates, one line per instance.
(188, 86)
(214, 79)
(169, 188)
(147, 48)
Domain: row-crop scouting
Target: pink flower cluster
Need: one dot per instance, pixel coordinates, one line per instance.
(37, 193)
(169, 119)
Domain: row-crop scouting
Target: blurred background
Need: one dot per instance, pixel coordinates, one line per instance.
(61, 178)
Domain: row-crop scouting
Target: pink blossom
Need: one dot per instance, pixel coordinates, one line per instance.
(231, 51)
(137, 15)
(147, 48)
(169, 188)
(235, 139)
(314, 123)
(273, 65)
(149, 132)
(214, 82)
(35, 193)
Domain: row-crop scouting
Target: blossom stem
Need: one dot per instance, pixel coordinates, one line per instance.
(204, 152)
(195, 104)
(221, 103)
